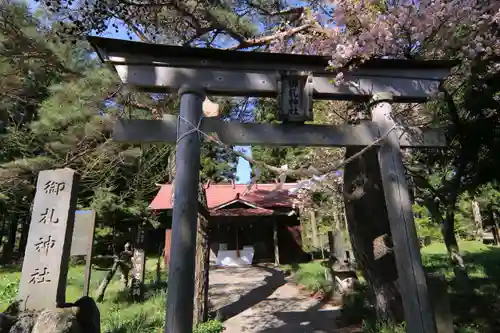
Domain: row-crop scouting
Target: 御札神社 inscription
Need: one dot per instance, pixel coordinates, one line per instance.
(48, 217)
(45, 265)
(45, 244)
(39, 276)
(52, 187)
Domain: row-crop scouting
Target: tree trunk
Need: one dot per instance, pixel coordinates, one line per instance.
(2, 231)
(450, 240)
(105, 282)
(201, 304)
(8, 249)
(161, 250)
(369, 228)
(448, 228)
(25, 228)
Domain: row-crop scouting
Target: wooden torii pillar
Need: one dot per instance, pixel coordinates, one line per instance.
(196, 72)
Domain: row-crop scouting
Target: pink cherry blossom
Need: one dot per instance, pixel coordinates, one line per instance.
(424, 29)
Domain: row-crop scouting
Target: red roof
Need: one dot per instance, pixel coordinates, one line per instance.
(262, 195)
(244, 212)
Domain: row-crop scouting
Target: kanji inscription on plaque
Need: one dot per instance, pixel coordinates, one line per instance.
(295, 97)
(137, 283)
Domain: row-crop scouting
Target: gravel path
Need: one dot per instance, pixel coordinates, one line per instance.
(258, 299)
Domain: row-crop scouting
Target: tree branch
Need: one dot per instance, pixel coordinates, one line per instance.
(253, 42)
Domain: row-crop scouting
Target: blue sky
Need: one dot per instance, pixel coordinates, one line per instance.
(243, 167)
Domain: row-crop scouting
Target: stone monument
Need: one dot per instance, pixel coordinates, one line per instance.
(45, 265)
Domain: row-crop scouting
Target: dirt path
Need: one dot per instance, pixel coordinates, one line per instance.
(258, 299)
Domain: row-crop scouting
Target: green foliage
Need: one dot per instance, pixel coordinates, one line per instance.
(141, 322)
(211, 326)
(426, 226)
(8, 290)
(266, 111)
(472, 328)
(464, 220)
(75, 102)
(383, 326)
(312, 276)
(488, 195)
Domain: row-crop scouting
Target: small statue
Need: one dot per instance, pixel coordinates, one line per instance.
(125, 259)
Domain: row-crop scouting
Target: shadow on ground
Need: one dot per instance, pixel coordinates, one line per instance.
(256, 295)
(312, 320)
(259, 299)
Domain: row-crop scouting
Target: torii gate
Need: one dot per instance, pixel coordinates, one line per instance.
(295, 80)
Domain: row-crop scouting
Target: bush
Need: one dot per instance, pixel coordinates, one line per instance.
(211, 326)
(142, 322)
(472, 328)
(383, 326)
(313, 277)
(8, 290)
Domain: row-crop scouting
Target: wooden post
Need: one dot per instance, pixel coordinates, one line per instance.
(82, 242)
(494, 229)
(337, 248)
(138, 267)
(314, 229)
(201, 303)
(276, 248)
(441, 303)
(413, 286)
(478, 221)
(336, 213)
(237, 230)
(168, 247)
(179, 318)
(321, 245)
(138, 274)
(331, 244)
(88, 259)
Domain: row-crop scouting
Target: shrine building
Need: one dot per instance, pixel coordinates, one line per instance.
(260, 225)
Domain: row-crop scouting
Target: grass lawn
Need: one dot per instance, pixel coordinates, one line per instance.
(475, 303)
(117, 314)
